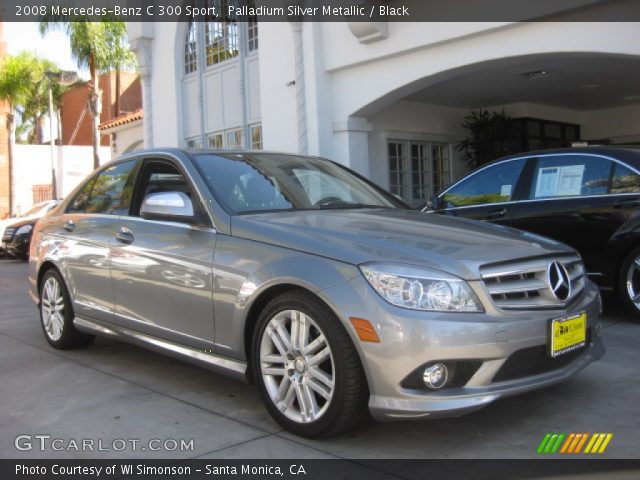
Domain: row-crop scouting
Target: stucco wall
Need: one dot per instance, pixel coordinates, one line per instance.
(32, 166)
(352, 87)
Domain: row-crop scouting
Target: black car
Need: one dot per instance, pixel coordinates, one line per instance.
(16, 232)
(17, 238)
(587, 197)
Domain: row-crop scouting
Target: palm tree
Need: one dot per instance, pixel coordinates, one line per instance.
(15, 77)
(102, 46)
(118, 54)
(35, 105)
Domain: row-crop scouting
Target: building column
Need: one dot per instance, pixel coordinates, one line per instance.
(351, 144)
(301, 94)
(142, 47)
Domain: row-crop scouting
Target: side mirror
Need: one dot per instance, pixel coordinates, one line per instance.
(433, 203)
(169, 206)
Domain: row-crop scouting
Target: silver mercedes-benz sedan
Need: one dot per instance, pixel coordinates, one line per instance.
(297, 274)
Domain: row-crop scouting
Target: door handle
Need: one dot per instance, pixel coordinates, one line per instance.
(627, 204)
(495, 214)
(125, 236)
(70, 225)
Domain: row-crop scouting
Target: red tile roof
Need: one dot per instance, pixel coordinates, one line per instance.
(122, 120)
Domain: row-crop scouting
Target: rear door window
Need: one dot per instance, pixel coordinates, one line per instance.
(557, 176)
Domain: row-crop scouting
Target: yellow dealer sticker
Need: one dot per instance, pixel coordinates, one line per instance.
(568, 333)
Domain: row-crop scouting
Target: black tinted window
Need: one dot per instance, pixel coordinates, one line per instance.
(624, 180)
(111, 192)
(259, 182)
(492, 185)
(570, 176)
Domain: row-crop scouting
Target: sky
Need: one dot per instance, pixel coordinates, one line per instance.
(54, 46)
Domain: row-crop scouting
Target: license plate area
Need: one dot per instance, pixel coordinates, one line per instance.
(567, 334)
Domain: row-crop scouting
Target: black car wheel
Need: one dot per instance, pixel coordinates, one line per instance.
(629, 282)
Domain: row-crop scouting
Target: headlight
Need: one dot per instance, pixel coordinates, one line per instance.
(24, 229)
(421, 288)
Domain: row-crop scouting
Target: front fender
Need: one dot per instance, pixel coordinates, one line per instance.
(245, 269)
(43, 251)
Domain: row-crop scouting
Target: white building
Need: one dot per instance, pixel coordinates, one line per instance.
(386, 99)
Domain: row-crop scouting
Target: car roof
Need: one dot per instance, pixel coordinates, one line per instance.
(205, 151)
(627, 153)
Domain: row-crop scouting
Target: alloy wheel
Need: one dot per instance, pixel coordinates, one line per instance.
(297, 366)
(633, 282)
(52, 306)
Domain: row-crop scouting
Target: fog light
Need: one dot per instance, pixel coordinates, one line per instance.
(435, 376)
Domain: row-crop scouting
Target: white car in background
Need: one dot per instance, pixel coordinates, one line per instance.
(37, 211)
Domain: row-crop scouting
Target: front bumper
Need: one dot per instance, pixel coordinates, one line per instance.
(410, 339)
(18, 246)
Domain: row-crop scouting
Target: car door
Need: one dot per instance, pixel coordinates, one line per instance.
(487, 194)
(162, 271)
(84, 233)
(570, 198)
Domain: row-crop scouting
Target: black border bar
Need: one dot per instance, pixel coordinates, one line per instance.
(324, 10)
(602, 469)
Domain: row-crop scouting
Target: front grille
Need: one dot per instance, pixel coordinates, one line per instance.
(525, 284)
(8, 234)
(534, 361)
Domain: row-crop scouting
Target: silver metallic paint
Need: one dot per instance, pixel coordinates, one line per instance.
(125, 291)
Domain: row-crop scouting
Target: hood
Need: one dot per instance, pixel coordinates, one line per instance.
(9, 222)
(19, 222)
(457, 246)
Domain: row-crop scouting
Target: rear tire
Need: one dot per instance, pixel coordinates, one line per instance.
(629, 283)
(56, 314)
(307, 368)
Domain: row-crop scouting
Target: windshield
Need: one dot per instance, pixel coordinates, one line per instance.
(262, 182)
(35, 209)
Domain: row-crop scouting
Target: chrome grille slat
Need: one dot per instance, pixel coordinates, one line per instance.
(525, 284)
(516, 286)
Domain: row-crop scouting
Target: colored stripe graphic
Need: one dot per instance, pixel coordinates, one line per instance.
(543, 443)
(573, 443)
(551, 442)
(568, 442)
(556, 445)
(581, 443)
(598, 443)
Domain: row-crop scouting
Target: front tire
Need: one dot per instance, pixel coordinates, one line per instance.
(307, 368)
(56, 314)
(629, 283)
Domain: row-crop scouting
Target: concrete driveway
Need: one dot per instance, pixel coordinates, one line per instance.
(115, 391)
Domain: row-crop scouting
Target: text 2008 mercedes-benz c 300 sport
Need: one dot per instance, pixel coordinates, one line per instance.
(300, 275)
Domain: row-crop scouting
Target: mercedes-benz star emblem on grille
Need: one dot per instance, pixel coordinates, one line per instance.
(559, 280)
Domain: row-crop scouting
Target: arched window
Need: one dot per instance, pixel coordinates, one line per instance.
(221, 34)
(191, 49)
(227, 45)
